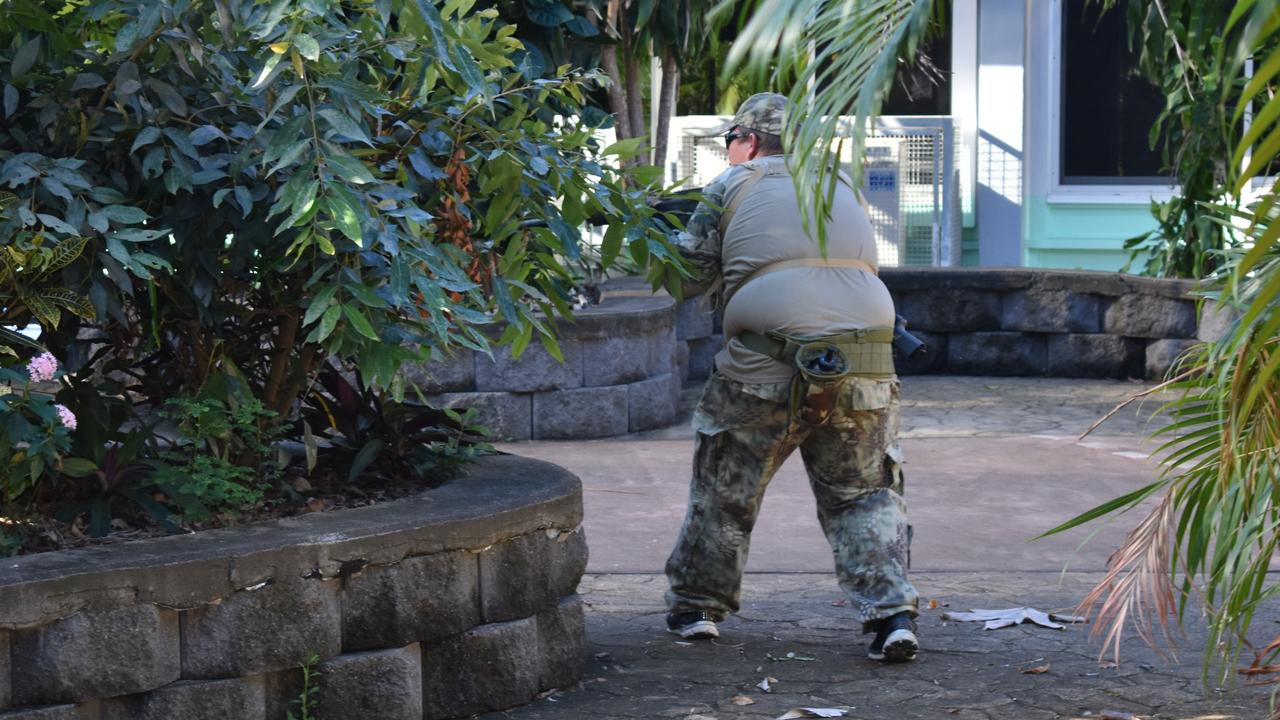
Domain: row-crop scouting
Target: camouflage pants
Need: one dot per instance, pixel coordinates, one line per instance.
(852, 460)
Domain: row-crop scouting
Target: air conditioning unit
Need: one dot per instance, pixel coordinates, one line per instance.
(929, 192)
(882, 177)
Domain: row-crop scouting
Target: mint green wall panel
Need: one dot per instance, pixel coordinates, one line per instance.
(1110, 261)
(1076, 235)
(969, 247)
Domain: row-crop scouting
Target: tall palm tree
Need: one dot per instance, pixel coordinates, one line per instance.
(1212, 535)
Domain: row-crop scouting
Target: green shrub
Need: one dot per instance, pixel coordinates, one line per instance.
(222, 458)
(257, 190)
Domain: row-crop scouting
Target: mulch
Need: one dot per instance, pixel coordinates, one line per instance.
(323, 492)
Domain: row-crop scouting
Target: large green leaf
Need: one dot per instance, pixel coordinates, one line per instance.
(25, 58)
(550, 15)
(364, 458)
(344, 125)
(855, 55)
(342, 208)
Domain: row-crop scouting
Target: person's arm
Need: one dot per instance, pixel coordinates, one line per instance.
(699, 242)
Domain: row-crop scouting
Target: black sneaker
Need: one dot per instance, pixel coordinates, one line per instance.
(895, 640)
(692, 625)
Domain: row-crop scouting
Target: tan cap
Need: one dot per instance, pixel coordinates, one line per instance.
(765, 112)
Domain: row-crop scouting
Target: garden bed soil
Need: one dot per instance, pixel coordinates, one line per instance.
(324, 491)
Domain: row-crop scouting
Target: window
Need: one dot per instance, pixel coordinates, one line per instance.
(1107, 107)
(924, 86)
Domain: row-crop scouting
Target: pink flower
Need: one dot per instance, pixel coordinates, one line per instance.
(42, 367)
(67, 417)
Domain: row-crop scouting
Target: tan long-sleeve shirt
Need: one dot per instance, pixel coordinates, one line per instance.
(766, 227)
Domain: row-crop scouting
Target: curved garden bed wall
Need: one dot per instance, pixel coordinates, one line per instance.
(619, 375)
(456, 601)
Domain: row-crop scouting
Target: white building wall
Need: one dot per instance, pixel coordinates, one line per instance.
(1001, 44)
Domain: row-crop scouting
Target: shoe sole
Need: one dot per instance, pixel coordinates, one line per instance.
(700, 630)
(900, 646)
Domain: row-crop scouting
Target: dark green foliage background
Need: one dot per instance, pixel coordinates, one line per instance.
(257, 190)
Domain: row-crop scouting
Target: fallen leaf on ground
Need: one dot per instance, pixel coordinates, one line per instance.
(767, 684)
(933, 604)
(1037, 670)
(1007, 617)
(741, 700)
(811, 713)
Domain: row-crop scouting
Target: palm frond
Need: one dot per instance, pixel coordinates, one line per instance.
(1215, 531)
(1138, 587)
(839, 59)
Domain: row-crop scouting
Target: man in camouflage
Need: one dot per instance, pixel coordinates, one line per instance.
(806, 365)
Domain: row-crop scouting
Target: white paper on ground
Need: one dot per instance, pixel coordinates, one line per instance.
(996, 619)
(812, 713)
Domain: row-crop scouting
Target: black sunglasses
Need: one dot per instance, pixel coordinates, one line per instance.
(730, 137)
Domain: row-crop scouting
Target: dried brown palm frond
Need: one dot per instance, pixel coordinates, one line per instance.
(1217, 524)
(1138, 586)
(1261, 672)
(1138, 396)
(1210, 539)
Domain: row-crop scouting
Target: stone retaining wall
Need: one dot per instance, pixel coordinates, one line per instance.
(1001, 321)
(626, 359)
(1014, 321)
(698, 338)
(619, 375)
(457, 601)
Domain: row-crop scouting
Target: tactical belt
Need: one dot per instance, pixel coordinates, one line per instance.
(868, 352)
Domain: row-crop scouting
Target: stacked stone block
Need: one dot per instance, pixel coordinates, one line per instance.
(620, 374)
(458, 601)
(1045, 322)
(698, 338)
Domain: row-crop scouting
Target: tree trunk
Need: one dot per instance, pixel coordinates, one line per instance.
(617, 93)
(666, 104)
(635, 98)
(609, 63)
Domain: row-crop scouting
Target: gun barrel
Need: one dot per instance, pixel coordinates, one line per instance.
(904, 342)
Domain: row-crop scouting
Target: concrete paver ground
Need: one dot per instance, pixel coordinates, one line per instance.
(992, 462)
